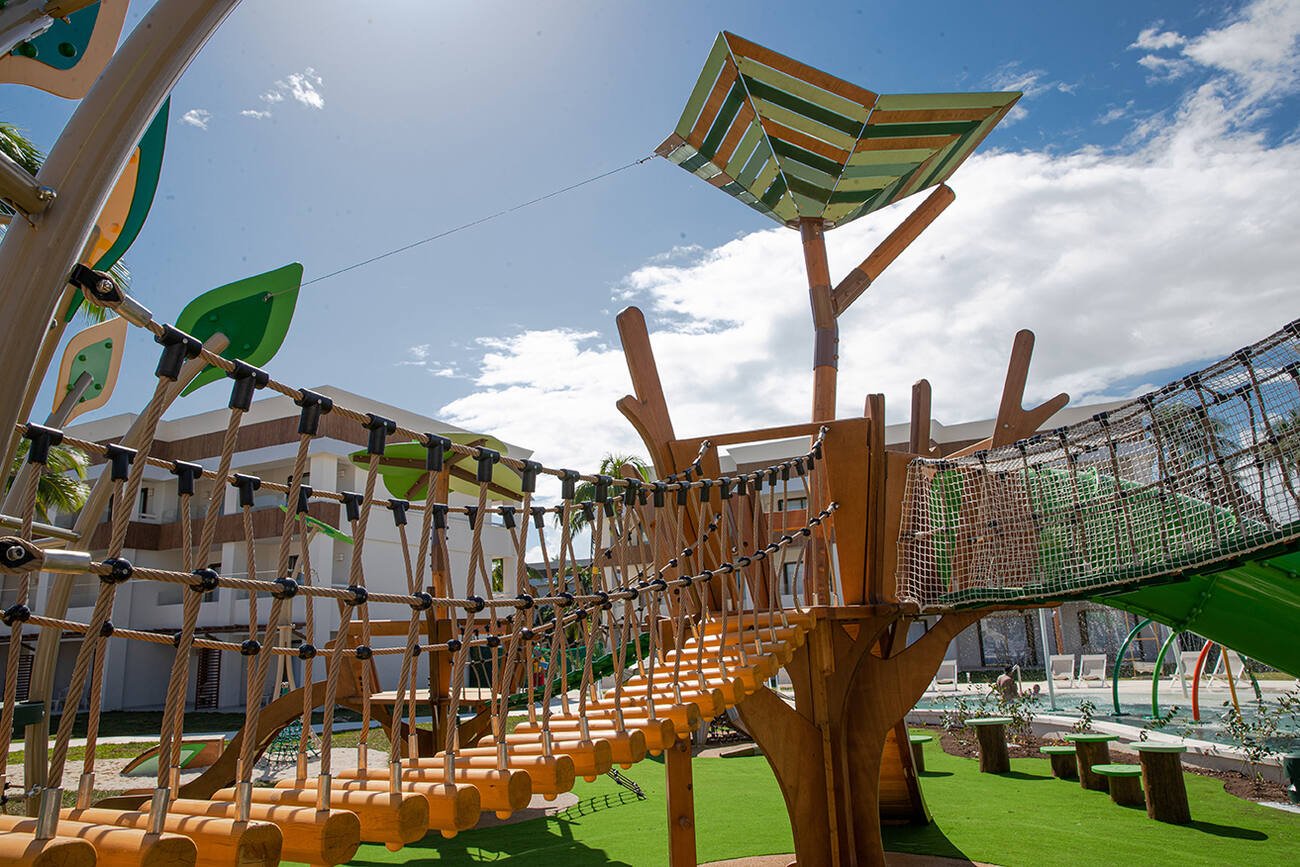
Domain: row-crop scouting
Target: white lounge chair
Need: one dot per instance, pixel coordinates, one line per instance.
(946, 675)
(1235, 662)
(1092, 666)
(1061, 668)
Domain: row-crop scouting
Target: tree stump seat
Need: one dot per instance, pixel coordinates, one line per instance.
(1162, 777)
(1125, 782)
(1065, 764)
(918, 754)
(1092, 749)
(992, 734)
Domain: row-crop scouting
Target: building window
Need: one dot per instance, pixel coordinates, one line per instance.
(792, 578)
(146, 494)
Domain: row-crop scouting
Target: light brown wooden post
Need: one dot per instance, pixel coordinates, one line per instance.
(918, 442)
(826, 331)
(681, 804)
(441, 626)
(1162, 778)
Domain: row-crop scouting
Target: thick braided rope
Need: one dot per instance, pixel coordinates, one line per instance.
(14, 656)
(357, 577)
(308, 665)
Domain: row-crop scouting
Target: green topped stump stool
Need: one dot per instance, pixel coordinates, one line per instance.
(1064, 764)
(918, 755)
(1092, 749)
(1125, 783)
(1162, 777)
(992, 733)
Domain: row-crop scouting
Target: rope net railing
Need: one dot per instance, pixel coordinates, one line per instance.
(1203, 470)
(683, 593)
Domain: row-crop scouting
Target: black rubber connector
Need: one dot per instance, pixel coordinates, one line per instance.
(487, 459)
(398, 508)
(42, 438)
(186, 473)
(246, 485)
(423, 601)
(208, 581)
(16, 614)
(313, 407)
(380, 430)
(178, 347)
(356, 596)
(363, 652)
(476, 604)
(435, 449)
(285, 588)
(119, 459)
(248, 379)
(122, 570)
(250, 647)
(352, 504)
(306, 651)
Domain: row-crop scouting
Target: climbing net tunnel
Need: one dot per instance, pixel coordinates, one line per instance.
(1202, 471)
(683, 591)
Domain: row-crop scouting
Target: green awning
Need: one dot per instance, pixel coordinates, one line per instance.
(403, 473)
(791, 141)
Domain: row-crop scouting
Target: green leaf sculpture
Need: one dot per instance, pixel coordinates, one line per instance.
(253, 313)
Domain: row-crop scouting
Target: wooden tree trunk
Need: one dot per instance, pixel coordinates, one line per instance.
(1126, 791)
(1162, 777)
(994, 758)
(1092, 753)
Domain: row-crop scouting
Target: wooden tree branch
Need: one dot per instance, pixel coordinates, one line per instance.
(648, 410)
(861, 277)
(1014, 422)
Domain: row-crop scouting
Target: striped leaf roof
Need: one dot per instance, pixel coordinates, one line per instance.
(792, 141)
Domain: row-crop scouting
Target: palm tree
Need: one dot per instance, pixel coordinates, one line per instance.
(15, 145)
(613, 464)
(1192, 441)
(61, 484)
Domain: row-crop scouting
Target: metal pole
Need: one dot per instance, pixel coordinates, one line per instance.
(36, 257)
(1047, 661)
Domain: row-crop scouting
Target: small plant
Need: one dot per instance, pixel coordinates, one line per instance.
(1020, 710)
(954, 719)
(1252, 735)
(1086, 711)
(1158, 723)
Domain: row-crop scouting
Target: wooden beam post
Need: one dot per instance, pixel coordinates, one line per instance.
(860, 278)
(918, 442)
(826, 331)
(681, 804)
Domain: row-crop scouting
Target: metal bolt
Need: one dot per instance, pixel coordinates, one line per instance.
(106, 286)
(14, 553)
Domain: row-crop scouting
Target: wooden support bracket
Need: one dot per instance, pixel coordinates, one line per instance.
(1014, 422)
(861, 277)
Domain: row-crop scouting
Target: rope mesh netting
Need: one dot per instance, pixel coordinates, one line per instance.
(1203, 470)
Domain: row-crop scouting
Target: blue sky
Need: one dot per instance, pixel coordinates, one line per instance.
(1133, 212)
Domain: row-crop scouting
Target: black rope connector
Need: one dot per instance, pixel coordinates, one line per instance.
(313, 407)
(208, 581)
(363, 652)
(608, 508)
(471, 515)
(487, 458)
(602, 599)
(658, 584)
(799, 467)
(454, 645)
(588, 510)
(602, 488)
(304, 499)
(306, 651)
(107, 630)
(724, 487)
(742, 562)
(16, 614)
(248, 379)
(526, 634)
(186, 473)
(416, 651)
(633, 491)
(42, 438)
(706, 575)
(805, 532)
(528, 477)
(539, 516)
(285, 588)
(742, 485)
(492, 640)
(435, 448)
(352, 504)
(660, 491)
(683, 491)
(176, 638)
(250, 647)
(686, 580)
(568, 481)
(439, 515)
(476, 604)
(507, 516)
(380, 429)
(398, 508)
(357, 595)
(119, 459)
(706, 488)
(563, 599)
(120, 570)
(178, 347)
(99, 285)
(422, 601)
(525, 601)
(246, 485)
(581, 614)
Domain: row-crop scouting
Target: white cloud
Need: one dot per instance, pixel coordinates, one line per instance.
(198, 117)
(1175, 251)
(422, 356)
(1257, 52)
(303, 87)
(1115, 113)
(1032, 82)
(255, 114)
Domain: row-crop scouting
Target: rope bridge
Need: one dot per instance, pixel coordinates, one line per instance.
(1202, 471)
(684, 593)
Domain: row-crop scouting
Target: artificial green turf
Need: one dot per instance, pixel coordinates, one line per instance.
(1025, 817)
(1029, 817)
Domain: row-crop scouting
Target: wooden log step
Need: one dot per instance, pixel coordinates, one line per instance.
(590, 759)
(685, 716)
(311, 836)
(391, 818)
(794, 619)
(551, 775)
(628, 745)
(452, 807)
(220, 842)
(19, 849)
(114, 846)
(500, 792)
